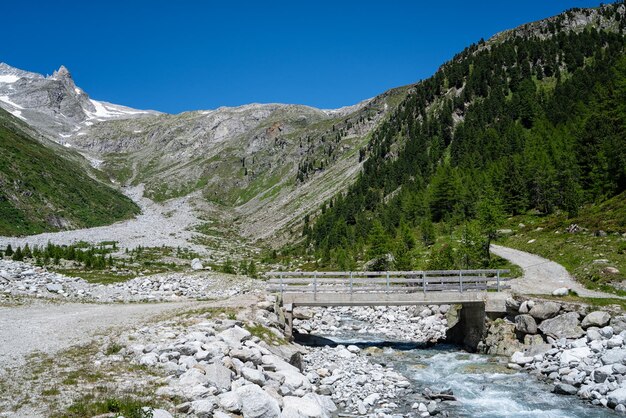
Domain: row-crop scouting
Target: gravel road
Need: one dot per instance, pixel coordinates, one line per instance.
(50, 327)
(542, 276)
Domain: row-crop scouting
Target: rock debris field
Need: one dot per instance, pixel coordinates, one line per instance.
(168, 224)
(395, 323)
(582, 353)
(21, 279)
(217, 367)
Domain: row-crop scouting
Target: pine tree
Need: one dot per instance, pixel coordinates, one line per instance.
(378, 247)
(17, 255)
(427, 230)
(490, 214)
(27, 252)
(9, 251)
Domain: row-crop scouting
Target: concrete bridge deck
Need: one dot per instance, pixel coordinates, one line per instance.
(477, 291)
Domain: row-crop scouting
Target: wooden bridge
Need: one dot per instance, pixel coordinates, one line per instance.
(305, 288)
(473, 289)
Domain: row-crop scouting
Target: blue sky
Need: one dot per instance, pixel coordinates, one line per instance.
(184, 55)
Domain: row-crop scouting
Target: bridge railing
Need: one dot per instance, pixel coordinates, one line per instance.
(387, 281)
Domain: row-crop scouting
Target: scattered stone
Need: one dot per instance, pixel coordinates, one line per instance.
(561, 291)
(196, 264)
(596, 319)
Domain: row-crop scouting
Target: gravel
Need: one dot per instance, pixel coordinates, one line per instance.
(22, 279)
(542, 276)
(167, 224)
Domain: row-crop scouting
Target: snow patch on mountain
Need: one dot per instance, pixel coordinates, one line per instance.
(8, 78)
(106, 110)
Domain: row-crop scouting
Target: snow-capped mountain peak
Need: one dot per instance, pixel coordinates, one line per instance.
(54, 104)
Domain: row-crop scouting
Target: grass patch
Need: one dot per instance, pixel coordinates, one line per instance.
(91, 405)
(210, 312)
(265, 334)
(113, 348)
(594, 303)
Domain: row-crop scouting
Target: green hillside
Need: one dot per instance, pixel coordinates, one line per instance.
(46, 189)
(532, 121)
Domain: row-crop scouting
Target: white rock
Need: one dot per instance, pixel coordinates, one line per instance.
(256, 403)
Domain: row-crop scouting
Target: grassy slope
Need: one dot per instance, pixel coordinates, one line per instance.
(38, 186)
(580, 253)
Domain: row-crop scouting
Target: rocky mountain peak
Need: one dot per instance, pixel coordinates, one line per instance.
(62, 73)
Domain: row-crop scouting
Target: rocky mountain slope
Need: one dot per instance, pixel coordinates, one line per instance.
(531, 120)
(44, 186)
(53, 104)
(267, 164)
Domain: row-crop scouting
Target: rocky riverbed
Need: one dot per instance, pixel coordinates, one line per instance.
(421, 324)
(22, 279)
(238, 363)
(580, 352)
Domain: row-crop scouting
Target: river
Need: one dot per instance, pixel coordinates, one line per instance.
(483, 386)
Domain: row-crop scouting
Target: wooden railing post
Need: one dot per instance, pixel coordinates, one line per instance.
(498, 279)
(424, 282)
(387, 282)
(350, 283)
(315, 286)
(461, 280)
(282, 285)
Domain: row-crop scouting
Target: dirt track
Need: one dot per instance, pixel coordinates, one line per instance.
(542, 276)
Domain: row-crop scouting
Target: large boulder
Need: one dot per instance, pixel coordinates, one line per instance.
(596, 319)
(563, 326)
(512, 306)
(574, 355)
(256, 403)
(501, 339)
(519, 358)
(309, 406)
(600, 374)
(192, 377)
(618, 323)
(234, 336)
(196, 264)
(203, 408)
(525, 324)
(229, 401)
(293, 378)
(616, 397)
(219, 376)
(253, 375)
(565, 389)
(614, 356)
(545, 310)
